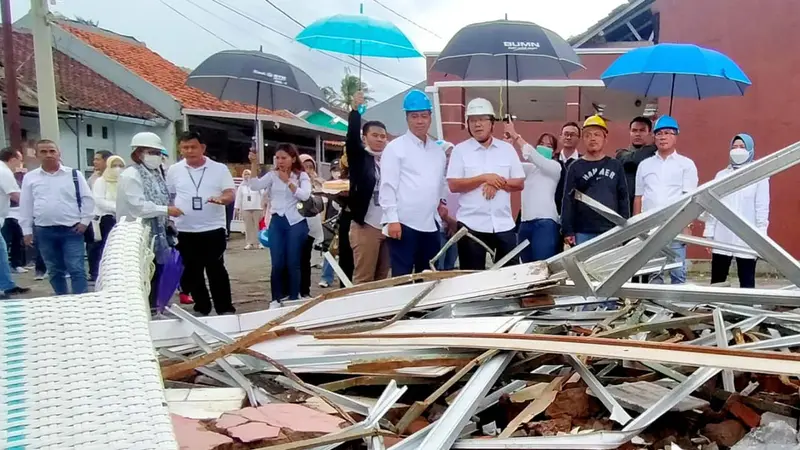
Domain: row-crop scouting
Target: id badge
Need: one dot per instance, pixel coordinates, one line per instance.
(248, 198)
(197, 203)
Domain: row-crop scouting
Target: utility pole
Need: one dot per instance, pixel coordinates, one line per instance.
(45, 79)
(12, 94)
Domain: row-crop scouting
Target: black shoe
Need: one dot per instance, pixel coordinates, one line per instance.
(17, 290)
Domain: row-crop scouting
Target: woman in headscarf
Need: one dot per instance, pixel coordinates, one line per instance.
(751, 204)
(105, 200)
(142, 193)
(250, 205)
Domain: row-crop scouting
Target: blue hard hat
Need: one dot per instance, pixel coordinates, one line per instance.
(263, 237)
(416, 100)
(665, 122)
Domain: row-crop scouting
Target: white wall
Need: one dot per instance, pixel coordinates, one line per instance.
(117, 140)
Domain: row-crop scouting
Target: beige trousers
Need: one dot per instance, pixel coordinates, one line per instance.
(251, 217)
(370, 253)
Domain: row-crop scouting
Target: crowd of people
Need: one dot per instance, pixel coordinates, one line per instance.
(406, 198)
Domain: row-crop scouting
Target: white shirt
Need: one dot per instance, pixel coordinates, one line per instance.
(8, 186)
(374, 213)
(209, 180)
(471, 159)
(48, 199)
(282, 201)
(412, 182)
(541, 180)
(751, 203)
(102, 205)
(131, 202)
(247, 199)
(661, 181)
(575, 155)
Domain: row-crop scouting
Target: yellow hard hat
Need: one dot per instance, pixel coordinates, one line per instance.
(595, 121)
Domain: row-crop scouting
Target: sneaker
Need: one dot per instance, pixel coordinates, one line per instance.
(186, 299)
(17, 290)
(275, 304)
(261, 246)
(248, 246)
(324, 284)
(40, 276)
(67, 276)
(20, 270)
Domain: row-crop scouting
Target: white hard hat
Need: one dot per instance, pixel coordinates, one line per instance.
(147, 139)
(480, 107)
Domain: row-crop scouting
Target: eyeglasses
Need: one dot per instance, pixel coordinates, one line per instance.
(569, 135)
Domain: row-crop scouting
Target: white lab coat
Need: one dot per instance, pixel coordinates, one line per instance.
(751, 204)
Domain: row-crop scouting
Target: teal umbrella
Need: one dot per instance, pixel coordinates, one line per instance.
(358, 35)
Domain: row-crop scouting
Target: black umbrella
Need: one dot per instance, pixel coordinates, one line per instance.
(507, 50)
(257, 78)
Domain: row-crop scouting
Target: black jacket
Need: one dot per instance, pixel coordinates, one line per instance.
(562, 180)
(630, 159)
(361, 166)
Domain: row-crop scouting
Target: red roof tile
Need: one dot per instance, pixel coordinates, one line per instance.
(76, 85)
(150, 66)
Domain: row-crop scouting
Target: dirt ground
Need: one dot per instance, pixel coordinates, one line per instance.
(249, 273)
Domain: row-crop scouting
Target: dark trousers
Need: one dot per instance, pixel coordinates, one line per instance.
(154, 285)
(346, 261)
(94, 249)
(63, 251)
(543, 236)
(229, 210)
(41, 267)
(12, 233)
(472, 255)
(203, 254)
(286, 244)
(721, 265)
(413, 251)
(305, 271)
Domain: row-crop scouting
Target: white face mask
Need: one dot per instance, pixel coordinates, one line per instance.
(115, 171)
(739, 155)
(152, 162)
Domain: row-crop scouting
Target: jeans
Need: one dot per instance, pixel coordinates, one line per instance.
(6, 283)
(327, 273)
(41, 267)
(543, 236)
(203, 254)
(472, 255)
(286, 244)
(721, 266)
(580, 238)
(12, 233)
(63, 252)
(677, 275)
(448, 260)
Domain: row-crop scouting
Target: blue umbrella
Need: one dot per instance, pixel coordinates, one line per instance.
(677, 70)
(358, 35)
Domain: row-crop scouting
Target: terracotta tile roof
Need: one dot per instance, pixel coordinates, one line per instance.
(77, 86)
(150, 66)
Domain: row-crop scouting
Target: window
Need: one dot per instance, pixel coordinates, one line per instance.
(89, 130)
(104, 131)
(89, 157)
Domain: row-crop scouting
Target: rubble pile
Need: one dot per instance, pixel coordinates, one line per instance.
(558, 354)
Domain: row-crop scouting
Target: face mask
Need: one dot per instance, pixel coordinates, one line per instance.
(547, 152)
(739, 156)
(152, 162)
(115, 171)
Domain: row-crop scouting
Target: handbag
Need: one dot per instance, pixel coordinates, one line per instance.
(311, 207)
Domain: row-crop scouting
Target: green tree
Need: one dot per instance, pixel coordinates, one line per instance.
(347, 90)
(89, 22)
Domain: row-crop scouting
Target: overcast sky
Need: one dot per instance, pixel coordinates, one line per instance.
(186, 44)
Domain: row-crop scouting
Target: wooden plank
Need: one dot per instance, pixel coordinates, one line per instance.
(534, 408)
(697, 356)
(655, 326)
